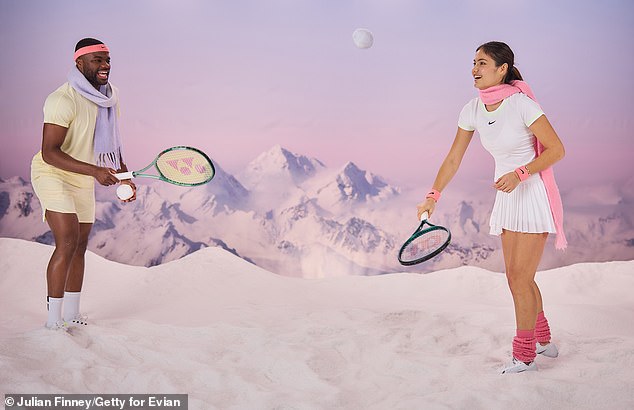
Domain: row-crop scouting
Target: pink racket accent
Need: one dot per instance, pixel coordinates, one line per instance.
(425, 244)
(173, 163)
(184, 166)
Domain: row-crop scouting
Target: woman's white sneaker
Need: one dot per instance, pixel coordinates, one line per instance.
(548, 350)
(518, 366)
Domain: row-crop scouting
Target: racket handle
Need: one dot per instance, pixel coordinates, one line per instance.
(124, 175)
(424, 216)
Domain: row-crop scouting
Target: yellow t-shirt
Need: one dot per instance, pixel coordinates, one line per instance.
(69, 109)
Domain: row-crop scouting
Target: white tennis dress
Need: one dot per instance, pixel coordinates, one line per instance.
(505, 134)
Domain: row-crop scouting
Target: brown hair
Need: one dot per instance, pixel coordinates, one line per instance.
(501, 53)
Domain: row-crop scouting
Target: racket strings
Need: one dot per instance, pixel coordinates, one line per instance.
(424, 245)
(185, 166)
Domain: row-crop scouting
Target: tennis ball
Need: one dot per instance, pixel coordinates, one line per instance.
(362, 38)
(124, 191)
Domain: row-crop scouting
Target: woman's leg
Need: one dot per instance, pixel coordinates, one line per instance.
(542, 330)
(540, 303)
(522, 254)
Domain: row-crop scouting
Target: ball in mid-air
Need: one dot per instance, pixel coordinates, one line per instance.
(362, 38)
(124, 191)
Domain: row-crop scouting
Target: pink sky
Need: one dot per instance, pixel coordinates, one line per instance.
(236, 78)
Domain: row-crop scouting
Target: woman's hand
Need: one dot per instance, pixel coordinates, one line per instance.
(507, 182)
(426, 206)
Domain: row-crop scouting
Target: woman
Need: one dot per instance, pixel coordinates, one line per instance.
(514, 129)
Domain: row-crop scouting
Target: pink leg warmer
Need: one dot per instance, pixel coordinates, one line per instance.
(542, 330)
(524, 345)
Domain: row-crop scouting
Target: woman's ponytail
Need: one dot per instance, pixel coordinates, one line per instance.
(512, 75)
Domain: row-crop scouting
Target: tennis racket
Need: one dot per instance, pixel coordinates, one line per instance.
(428, 241)
(184, 166)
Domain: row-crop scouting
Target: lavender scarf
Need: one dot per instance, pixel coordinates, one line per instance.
(107, 141)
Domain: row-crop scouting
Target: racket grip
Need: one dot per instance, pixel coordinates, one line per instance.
(124, 175)
(424, 216)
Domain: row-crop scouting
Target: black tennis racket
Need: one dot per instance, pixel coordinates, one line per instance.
(428, 241)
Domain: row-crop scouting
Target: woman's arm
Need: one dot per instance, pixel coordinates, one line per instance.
(553, 152)
(448, 168)
(553, 147)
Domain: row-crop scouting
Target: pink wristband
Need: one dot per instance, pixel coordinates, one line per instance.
(522, 173)
(433, 194)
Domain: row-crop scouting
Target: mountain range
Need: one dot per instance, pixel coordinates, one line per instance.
(293, 215)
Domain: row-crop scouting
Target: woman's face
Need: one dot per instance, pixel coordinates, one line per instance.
(485, 73)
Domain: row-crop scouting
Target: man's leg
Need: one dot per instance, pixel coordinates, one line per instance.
(65, 229)
(75, 278)
(76, 272)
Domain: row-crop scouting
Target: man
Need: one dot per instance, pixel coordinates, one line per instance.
(80, 143)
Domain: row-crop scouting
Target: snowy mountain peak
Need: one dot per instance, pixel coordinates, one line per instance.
(279, 163)
(223, 193)
(356, 185)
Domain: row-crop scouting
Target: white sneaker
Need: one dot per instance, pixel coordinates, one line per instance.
(548, 350)
(518, 366)
(58, 326)
(78, 320)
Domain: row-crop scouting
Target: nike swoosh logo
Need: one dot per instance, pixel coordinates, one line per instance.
(492, 122)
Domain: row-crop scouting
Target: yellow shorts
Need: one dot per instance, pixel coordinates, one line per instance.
(59, 196)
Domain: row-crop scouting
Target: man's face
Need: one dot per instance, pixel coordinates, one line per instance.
(95, 67)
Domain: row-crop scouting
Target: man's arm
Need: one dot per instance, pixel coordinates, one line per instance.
(53, 137)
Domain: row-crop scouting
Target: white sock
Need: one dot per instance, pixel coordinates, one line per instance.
(54, 306)
(71, 305)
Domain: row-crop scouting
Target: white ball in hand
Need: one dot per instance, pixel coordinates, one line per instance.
(362, 38)
(124, 191)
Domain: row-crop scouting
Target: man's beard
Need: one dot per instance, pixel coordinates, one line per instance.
(92, 78)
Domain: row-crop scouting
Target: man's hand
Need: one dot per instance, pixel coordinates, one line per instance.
(105, 176)
(129, 182)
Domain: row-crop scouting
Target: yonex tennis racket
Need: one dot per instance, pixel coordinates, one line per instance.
(428, 241)
(185, 166)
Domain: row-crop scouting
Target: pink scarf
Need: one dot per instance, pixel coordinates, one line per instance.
(493, 95)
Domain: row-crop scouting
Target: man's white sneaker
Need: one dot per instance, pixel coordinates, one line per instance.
(58, 326)
(78, 320)
(548, 350)
(518, 366)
